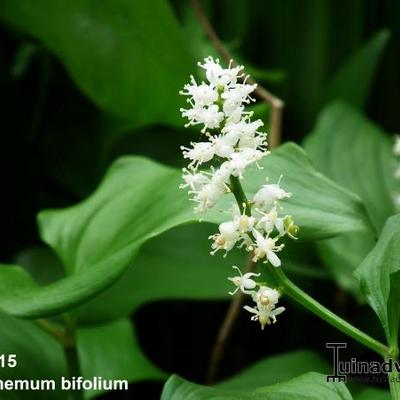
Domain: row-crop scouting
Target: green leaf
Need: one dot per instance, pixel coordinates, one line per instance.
(339, 145)
(373, 394)
(276, 369)
(112, 352)
(341, 264)
(379, 277)
(354, 79)
(320, 207)
(160, 272)
(204, 280)
(127, 56)
(38, 355)
(310, 386)
(138, 199)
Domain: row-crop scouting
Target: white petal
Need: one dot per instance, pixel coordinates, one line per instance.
(273, 259)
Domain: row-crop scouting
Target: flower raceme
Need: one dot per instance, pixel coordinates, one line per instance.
(231, 143)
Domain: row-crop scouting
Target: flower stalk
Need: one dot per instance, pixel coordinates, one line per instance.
(297, 294)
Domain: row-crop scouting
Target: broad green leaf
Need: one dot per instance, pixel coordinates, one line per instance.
(354, 79)
(38, 356)
(138, 199)
(342, 255)
(112, 352)
(320, 207)
(310, 386)
(127, 56)
(204, 280)
(373, 394)
(339, 145)
(276, 369)
(379, 277)
(174, 265)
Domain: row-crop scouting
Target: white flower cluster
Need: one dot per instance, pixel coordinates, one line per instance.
(265, 298)
(396, 151)
(232, 142)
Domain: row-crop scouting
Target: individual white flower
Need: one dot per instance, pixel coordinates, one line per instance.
(240, 160)
(222, 146)
(271, 220)
(266, 299)
(226, 238)
(244, 223)
(211, 117)
(264, 314)
(192, 114)
(269, 194)
(218, 76)
(208, 196)
(266, 296)
(239, 93)
(202, 95)
(200, 153)
(266, 247)
(195, 181)
(243, 282)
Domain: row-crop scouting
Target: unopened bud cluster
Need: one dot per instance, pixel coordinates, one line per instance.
(232, 142)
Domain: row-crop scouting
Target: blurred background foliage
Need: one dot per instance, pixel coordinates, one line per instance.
(84, 82)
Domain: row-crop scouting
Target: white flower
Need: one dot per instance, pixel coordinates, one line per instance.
(211, 117)
(242, 159)
(265, 311)
(266, 247)
(264, 315)
(208, 196)
(222, 174)
(202, 95)
(219, 104)
(239, 93)
(269, 194)
(218, 76)
(266, 296)
(200, 153)
(226, 238)
(243, 282)
(271, 220)
(194, 180)
(222, 146)
(244, 223)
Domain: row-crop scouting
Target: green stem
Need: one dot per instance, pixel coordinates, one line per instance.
(71, 355)
(67, 339)
(394, 376)
(318, 309)
(394, 384)
(52, 329)
(241, 199)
